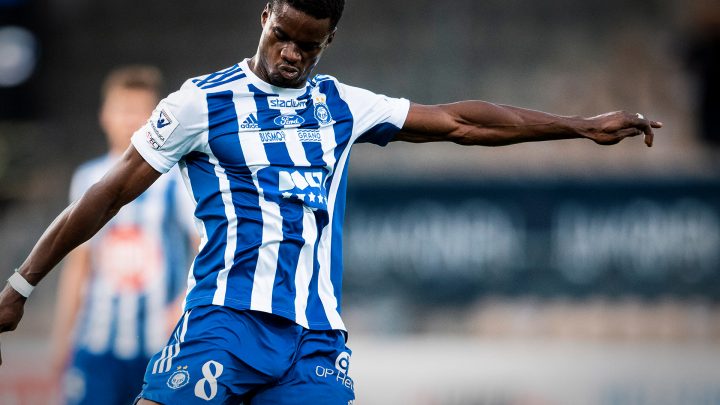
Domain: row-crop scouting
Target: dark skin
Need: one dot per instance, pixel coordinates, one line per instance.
(290, 46)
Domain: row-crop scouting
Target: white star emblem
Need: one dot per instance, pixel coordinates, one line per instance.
(286, 195)
(312, 197)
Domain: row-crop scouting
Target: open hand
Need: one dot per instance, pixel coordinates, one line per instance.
(613, 127)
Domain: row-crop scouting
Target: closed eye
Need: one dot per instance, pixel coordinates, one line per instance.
(280, 35)
(308, 46)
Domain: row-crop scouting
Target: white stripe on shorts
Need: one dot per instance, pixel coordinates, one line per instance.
(169, 352)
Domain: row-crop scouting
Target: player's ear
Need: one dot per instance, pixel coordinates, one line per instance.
(331, 37)
(265, 14)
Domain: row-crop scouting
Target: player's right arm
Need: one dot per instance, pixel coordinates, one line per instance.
(129, 178)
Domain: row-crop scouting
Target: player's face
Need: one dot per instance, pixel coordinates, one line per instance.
(123, 112)
(290, 46)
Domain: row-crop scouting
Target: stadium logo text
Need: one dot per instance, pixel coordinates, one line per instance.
(278, 103)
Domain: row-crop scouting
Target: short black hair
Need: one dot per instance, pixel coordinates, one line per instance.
(319, 9)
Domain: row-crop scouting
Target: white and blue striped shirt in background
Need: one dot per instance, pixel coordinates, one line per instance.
(267, 167)
(138, 261)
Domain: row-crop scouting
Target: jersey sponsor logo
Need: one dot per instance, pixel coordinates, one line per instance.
(250, 122)
(308, 187)
(179, 378)
(289, 120)
(342, 362)
(340, 373)
(272, 136)
(342, 366)
(309, 135)
(278, 103)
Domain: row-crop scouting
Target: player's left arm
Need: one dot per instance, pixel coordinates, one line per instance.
(483, 123)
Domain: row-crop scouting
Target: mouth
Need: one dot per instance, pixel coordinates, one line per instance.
(289, 72)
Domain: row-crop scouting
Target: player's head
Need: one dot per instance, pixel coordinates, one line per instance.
(128, 96)
(295, 34)
(320, 9)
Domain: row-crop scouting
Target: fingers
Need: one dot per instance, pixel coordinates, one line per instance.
(649, 137)
(646, 126)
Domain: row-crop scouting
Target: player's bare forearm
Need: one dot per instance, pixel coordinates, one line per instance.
(82, 219)
(483, 123)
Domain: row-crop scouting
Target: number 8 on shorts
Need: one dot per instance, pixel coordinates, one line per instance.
(209, 380)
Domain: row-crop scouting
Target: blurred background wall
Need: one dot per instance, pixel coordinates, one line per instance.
(554, 273)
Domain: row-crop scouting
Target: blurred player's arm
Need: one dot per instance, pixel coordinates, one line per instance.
(176, 307)
(77, 223)
(184, 215)
(70, 296)
(483, 123)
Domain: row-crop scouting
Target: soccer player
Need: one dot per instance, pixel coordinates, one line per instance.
(264, 148)
(120, 291)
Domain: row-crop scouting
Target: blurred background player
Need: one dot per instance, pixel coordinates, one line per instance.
(120, 292)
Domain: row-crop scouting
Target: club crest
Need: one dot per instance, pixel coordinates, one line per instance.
(179, 378)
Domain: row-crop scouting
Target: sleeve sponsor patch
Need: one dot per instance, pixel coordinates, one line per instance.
(162, 125)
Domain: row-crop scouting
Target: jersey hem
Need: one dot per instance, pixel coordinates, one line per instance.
(245, 306)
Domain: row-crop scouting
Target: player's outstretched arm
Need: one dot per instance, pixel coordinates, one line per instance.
(483, 123)
(76, 224)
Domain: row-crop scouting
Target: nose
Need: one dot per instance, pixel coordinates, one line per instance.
(290, 53)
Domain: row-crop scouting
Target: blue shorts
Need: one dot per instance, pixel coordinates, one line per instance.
(102, 379)
(220, 355)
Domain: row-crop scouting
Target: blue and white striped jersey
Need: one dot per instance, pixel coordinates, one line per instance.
(138, 263)
(267, 167)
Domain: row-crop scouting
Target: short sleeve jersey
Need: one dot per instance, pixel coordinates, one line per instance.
(138, 261)
(267, 167)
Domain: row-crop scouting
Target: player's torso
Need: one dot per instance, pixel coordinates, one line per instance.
(266, 180)
(280, 145)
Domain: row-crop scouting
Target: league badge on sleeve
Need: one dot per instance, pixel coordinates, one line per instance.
(163, 123)
(322, 112)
